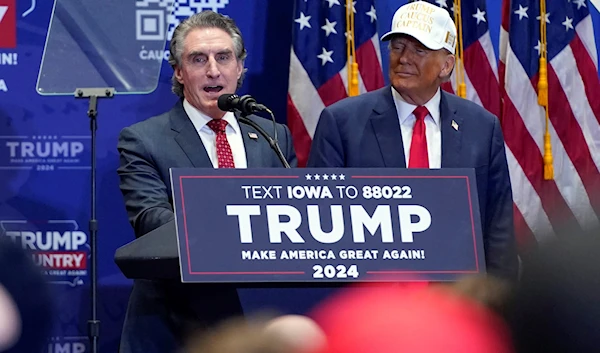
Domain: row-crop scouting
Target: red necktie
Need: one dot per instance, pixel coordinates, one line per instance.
(224, 154)
(418, 146)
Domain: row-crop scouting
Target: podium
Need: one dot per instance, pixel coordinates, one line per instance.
(313, 226)
(153, 256)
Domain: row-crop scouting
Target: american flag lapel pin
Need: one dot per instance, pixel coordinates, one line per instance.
(253, 135)
(454, 125)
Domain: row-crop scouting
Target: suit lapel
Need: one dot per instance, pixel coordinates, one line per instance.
(451, 133)
(386, 126)
(188, 138)
(253, 146)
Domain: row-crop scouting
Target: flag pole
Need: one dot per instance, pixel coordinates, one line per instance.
(543, 93)
(351, 50)
(460, 69)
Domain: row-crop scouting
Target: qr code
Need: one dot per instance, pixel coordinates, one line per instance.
(181, 9)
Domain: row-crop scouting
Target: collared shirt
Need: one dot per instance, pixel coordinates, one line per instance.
(208, 136)
(432, 126)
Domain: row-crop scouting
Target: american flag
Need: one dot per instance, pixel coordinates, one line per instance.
(544, 206)
(319, 63)
(479, 59)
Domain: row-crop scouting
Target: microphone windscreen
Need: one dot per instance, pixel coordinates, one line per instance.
(224, 102)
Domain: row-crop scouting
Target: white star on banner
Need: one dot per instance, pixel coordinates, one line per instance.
(342, 177)
(442, 3)
(325, 177)
(568, 23)
(317, 177)
(538, 47)
(480, 16)
(308, 177)
(522, 12)
(580, 3)
(329, 27)
(546, 16)
(325, 57)
(303, 21)
(372, 14)
(333, 177)
(332, 2)
(354, 6)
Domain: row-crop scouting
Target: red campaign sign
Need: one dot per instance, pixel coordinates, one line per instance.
(8, 23)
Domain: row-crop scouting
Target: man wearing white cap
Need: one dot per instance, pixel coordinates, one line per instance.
(413, 123)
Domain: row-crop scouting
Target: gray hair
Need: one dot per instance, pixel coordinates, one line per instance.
(204, 19)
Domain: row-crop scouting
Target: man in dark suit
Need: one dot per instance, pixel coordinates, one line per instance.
(413, 123)
(207, 55)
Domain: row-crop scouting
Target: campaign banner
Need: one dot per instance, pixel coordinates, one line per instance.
(333, 225)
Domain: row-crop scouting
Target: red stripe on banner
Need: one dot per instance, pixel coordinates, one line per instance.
(523, 232)
(447, 86)
(524, 235)
(482, 77)
(502, 90)
(505, 14)
(300, 136)
(570, 133)
(368, 66)
(528, 155)
(332, 90)
(588, 72)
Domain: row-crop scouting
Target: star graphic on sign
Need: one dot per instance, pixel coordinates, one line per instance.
(480, 16)
(580, 3)
(546, 17)
(538, 47)
(303, 21)
(354, 6)
(329, 27)
(333, 177)
(317, 177)
(568, 23)
(522, 12)
(325, 177)
(332, 2)
(372, 14)
(342, 177)
(325, 57)
(308, 177)
(442, 3)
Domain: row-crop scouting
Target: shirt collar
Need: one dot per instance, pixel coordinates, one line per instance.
(406, 109)
(199, 119)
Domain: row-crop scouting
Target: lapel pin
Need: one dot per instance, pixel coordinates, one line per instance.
(253, 135)
(454, 125)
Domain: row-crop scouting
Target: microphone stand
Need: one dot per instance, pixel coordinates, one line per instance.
(272, 141)
(94, 94)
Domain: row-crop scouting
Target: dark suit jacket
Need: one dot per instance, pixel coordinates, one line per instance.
(364, 131)
(161, 313)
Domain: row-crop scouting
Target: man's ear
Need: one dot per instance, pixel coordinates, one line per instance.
(448, 66)
(178, 74)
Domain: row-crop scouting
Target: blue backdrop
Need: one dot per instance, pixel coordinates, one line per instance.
(45, 163)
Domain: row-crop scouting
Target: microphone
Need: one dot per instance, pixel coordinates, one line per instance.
(245, 104)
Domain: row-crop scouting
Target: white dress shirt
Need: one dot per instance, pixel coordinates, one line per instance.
(432, 127)
(208, 136)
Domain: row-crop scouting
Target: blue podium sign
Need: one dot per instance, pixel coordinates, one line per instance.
(327, 225)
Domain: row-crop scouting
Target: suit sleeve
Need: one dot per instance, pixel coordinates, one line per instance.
(500, 242)
(290, 152)
(145, 194)
(326, 148)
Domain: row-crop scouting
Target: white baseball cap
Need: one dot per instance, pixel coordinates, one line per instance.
(429, 24)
